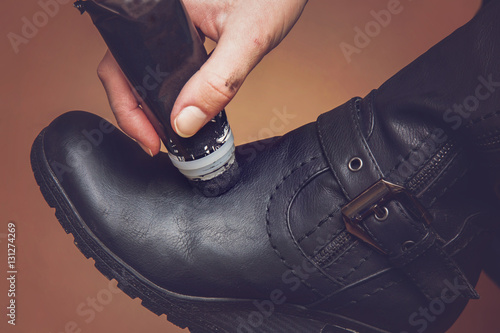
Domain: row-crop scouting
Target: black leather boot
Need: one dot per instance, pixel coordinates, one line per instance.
(371, 219)
(485, 2)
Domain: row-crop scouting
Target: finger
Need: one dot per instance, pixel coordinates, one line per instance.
(217, 82)
(129, 115)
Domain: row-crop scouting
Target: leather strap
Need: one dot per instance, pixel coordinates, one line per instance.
(410, 244)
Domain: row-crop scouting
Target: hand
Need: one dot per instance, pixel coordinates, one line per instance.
(245, 31)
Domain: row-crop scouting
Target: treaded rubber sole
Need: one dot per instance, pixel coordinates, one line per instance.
(199, 315)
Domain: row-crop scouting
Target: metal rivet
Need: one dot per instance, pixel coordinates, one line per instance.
(381, 214)
(355, 164)
(407, 245)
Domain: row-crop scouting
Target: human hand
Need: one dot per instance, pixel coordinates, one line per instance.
(245, 31)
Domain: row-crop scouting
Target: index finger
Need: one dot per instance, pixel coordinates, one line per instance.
(124, 104)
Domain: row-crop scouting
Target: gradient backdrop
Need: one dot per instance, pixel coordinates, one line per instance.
(55, 71)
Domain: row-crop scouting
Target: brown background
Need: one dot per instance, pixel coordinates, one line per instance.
(55, 72)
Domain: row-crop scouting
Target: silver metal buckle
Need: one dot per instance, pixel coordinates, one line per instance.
(371, 202)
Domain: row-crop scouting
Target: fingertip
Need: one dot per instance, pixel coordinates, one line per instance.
(150, 145)
(189, 121)
(137, 126)
(146, 149)
(155, 146)
(202, 98)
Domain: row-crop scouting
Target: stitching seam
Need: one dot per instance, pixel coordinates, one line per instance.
(486, 116)
(268, 229)
(321, 223)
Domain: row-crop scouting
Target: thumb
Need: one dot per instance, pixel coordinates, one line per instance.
(216, 83)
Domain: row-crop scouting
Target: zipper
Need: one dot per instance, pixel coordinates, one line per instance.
(334, 249)
(424, 177)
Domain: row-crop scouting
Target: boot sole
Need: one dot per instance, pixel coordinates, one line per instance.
(198, 314)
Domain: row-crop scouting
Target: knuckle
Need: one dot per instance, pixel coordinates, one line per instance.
(262, 38)
(222, 89)
(262, 43)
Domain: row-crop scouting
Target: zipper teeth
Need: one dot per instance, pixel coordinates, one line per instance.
(333, 249)
(431, 168)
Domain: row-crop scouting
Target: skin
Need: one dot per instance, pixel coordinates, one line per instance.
(245, 31)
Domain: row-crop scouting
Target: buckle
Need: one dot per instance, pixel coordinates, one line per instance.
(371, 202)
